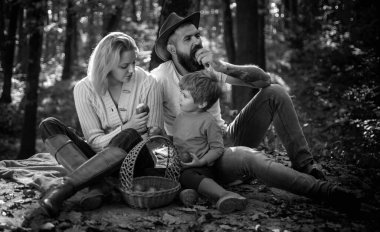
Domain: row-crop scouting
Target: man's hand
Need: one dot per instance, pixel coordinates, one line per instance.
(208, 60)
(195, 163)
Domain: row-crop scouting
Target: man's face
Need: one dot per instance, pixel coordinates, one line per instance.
(188, 41)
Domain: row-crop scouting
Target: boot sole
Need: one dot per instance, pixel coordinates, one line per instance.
(229, 205)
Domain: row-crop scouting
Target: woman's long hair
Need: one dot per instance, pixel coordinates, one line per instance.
(106, 56)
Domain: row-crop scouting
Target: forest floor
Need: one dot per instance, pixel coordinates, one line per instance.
(269, 209)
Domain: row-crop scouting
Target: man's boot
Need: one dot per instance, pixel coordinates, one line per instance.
(88, 173)
(71, 157)
(227, 201)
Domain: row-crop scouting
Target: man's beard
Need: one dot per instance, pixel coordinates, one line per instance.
(188, 61)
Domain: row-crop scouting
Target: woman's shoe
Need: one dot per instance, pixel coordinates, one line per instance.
(92, 200)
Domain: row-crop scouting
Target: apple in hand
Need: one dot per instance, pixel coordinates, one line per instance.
(142, 108)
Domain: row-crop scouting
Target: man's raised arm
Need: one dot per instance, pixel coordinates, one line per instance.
(243, 75)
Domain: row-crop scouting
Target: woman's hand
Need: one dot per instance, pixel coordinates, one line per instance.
(137, 122)
(196, 162)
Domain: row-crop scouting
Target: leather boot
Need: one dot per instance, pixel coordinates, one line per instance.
(227, 201)
(91, 171)
(71, 157)
(65, 152)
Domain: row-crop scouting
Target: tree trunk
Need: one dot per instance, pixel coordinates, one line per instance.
(9, 51)
(229, 41)
(182, 8)
(113, 19)
(134, 11)
(70, 40)
(2, 28)
(92, 40)
(250, 45)
(36, 14)
(290, 12)
(23, 47)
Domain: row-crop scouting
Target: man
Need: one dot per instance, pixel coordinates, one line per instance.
(179, 44)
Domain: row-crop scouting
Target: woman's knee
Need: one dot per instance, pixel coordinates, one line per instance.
(126, 139)
(50, 126)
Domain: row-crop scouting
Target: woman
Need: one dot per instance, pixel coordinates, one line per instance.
(105, 102)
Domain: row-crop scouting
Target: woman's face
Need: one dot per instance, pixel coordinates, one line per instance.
(126, 67)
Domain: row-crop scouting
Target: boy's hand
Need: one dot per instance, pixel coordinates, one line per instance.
(196, 162)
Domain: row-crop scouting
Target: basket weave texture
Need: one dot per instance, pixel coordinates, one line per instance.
(165, 187)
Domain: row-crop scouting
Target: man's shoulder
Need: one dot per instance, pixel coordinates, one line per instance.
(161, 72)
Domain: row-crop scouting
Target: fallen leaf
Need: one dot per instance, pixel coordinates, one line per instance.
(169, 219)
(47, 226)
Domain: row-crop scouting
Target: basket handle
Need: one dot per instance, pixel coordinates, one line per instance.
(127, 168)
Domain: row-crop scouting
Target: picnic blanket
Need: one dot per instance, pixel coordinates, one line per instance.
(37, 171)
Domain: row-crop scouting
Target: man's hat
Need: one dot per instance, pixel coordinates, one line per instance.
(172, 22)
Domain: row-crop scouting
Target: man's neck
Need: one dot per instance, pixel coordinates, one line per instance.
(180, 69)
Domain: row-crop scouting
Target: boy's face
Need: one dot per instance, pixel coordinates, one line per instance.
(187, 103)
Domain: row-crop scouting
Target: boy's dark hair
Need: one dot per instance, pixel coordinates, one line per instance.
(203, 86)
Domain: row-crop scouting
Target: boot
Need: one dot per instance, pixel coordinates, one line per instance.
(94, 169)
(65, 152)
(344, 200)
(71, 157)
(227, 201)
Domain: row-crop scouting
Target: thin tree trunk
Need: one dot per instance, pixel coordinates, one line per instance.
(36, 14)
(229, 41)
(9, 51)
(2, 28)
(70, 41)
(23, 48)
(249, 45)
(134, 11)
(182, 8)
(91, 42)
(113, 20)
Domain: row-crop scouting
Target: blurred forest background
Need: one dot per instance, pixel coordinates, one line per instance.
(324, 50)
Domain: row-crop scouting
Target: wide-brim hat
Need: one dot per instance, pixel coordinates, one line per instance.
(172, 22)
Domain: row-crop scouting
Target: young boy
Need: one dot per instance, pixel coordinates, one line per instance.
(199, 140)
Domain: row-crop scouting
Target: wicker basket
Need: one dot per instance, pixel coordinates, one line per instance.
(165, 188)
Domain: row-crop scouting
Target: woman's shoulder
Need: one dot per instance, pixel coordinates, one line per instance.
(83, 85)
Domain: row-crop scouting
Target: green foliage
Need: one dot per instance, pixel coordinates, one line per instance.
(336, 74)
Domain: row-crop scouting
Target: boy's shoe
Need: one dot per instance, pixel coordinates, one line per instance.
(188, 197)
(231, 202)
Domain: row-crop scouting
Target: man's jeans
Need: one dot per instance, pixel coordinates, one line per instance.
(240, 162)
(271, 104)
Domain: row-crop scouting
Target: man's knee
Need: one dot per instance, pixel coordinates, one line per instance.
(275, 90)
(252, 158)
